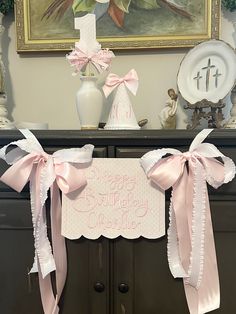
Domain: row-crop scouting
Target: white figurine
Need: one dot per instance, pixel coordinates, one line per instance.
(231, 124)
(168, 113)
(4, 122)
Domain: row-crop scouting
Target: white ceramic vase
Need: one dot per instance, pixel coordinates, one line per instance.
(89, 102)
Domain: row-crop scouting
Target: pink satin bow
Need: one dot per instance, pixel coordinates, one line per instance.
(79, 58)
(130, 80)
(46, 172)
(191, 249)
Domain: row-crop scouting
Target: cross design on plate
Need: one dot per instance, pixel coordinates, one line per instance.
(197, 78)
(208, 72)
(216, 75)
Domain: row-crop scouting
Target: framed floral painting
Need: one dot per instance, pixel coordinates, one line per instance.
(48, 25)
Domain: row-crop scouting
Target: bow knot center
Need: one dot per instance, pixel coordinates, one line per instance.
(43, 157)
(187, 155)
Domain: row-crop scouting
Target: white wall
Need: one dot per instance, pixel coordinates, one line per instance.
(40, 87)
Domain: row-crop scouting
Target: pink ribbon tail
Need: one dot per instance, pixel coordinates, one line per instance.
(59, 246)
(191, 248)
(195, 242)
(207, 297)
(46, 172)
(50, 303)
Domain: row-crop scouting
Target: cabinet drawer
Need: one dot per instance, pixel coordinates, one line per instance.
(138, 152)
(98, 152)
(134, 152)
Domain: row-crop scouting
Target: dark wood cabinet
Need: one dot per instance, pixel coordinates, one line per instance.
(117, 276)
(87, 286)
(19, 292)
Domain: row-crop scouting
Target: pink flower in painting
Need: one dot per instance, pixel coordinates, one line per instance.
(116, 9)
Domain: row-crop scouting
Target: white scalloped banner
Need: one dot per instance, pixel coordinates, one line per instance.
(117, 201)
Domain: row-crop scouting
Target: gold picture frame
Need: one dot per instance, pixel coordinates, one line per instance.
(37, 33)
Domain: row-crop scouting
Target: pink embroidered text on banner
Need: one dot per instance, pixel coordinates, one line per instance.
(58, 171)
(191, 249)
(117, 201)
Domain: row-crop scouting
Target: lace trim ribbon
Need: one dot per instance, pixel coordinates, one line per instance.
(191, 249)
(29, 163)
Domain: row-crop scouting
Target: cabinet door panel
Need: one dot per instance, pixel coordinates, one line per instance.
(15, 214)
(19, 292)
(224, 224)
(123, 276)
(143, 265)
(87, 266)
(226, 257)
(223, 216)
(152, 288)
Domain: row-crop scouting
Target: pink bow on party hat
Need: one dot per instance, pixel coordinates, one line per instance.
(130, 80)
(191, 249)
(79, 58)
(31, 164)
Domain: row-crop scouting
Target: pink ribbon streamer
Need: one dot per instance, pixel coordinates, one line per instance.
(79, 58)
(191, 249)
(46, 172)
(130, 80)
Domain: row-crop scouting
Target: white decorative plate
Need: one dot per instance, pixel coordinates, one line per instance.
(208, 71)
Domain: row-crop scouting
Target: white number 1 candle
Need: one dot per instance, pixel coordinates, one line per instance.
(87, 26)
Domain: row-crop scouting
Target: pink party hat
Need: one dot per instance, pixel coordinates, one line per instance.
(121, 116)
